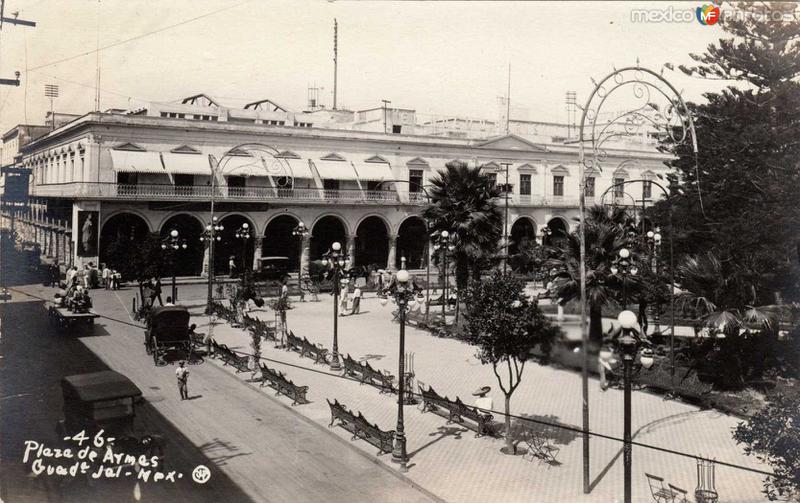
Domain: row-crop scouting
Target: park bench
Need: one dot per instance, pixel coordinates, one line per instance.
(369, 375)
(315, 351)
(261, 328)
(231, 358)
(283, 385)
(418, 319)
(293, 342)
(456, 410)
(360, 427)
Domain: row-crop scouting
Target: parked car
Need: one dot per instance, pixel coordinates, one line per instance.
(272, 268)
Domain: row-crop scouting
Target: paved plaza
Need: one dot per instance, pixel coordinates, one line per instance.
(446, 460)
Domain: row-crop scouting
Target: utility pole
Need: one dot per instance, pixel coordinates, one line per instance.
(385, 102)
(13, 20)
(335, 60)
(51, 91)
(506, 189)
(508, 102)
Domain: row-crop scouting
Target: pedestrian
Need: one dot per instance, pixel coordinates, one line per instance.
(115, 279)
(343, 293)
(155, 292)
(209, 338)
(71, 273)
(604, 361)
(356, 301)
(484, 402)
(55, 274)
(232, 266)
(106, 275)
(182, 373)
(169, 302)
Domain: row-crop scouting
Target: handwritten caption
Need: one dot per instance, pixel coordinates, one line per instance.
(101, 457)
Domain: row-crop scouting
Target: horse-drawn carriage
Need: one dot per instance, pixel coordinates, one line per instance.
(167, 330)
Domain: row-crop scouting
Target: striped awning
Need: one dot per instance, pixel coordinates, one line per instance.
(186, 164)
(335, 170)
(133, 161)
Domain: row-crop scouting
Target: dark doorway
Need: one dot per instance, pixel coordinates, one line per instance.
(522, 233)
(412, 241)
(326, 231)
(279, 241)
(189, 261)
(372, 243)
(123, 227)
(558, 230)
(231, 246)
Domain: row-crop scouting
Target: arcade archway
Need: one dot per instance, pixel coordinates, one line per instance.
(232, 247)
(327, 230)
(522, 233)
(119, 230)
(412, 241)
(189, 261)
(558, 229)
(279, 241)
(372, 242)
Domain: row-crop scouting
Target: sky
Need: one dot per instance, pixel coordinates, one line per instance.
(436, 57)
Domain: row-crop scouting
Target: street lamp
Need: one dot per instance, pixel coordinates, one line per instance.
(211, 235)
(300, 232)
(444, 242)
(654, 247)
(174, 243)
(335, 261)
(624, 267)
(243, 234)
(404, 292)
(629, 344)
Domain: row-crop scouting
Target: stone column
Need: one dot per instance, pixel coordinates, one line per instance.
(305, 254)
(206, 256)
(351, 250)
(390, 266)
(259, 243)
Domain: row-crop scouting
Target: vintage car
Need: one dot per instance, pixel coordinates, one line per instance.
(99, 400)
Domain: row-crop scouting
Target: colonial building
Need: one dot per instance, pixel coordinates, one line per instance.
(119, 175)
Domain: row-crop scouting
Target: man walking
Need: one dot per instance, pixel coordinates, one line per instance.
(356, 300)
(182, 373)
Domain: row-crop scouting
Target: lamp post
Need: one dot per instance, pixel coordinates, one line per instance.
(211, 235)
(629, 344)
(403, 291)
(335, 261)
(174, 243)
(624, 267)
(444, 242)
(243, 234)
(300, 232)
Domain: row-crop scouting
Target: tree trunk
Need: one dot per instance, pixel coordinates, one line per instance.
(596, 325)
(509, 441)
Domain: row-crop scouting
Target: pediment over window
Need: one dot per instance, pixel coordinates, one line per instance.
(333, 156)
(240, 152)
(287, 154)
(511, 142)
(592, 172)
(129, 146)
(490, 166)
(648, 175)
(418, 162)
(560, 170)
(621, 173)
(377, 158)
(185, 149)
(527, 168)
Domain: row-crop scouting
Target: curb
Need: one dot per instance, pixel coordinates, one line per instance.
(341, 440)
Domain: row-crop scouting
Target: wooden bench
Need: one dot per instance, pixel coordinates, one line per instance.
(231, 358)
(418, 319)
(369, 375)
(315, 351)
(360, 427)
(283, 385)
(293, 342)
(456, 410)
(261, 328)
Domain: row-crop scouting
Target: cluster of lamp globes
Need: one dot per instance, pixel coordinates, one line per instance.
(336, 247)
(174, 245)
(628, 321)
(243, 232)
(301, 230)
(624, 254)
(217, 228)
(445, 236)
(654, 236)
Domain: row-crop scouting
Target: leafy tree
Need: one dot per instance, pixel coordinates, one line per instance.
(463, 201)
(605, 235)
(738, 197)
(140, 260)
(506, 326)
(773, 436)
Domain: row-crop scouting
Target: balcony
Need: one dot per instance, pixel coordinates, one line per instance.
(168, 192)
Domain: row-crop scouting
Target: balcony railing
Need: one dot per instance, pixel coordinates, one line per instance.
(163, 192)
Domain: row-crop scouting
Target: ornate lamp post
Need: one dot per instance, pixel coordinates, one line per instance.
(211, 235)
(301, 232)
(629, 344)
(654, 247)
(624, 267)
(336, 262)
(403, 291)
(444, 242)
(174, 243)
(243, 234)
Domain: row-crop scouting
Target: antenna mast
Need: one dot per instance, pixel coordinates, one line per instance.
(508, 100)
(335, 59)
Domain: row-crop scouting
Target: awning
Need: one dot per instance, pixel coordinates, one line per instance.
(335, 170)
(297, 168)
(186, 164)
(131, 161)
(373, 171)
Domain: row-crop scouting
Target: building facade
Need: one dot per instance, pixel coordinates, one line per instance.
(112, 176)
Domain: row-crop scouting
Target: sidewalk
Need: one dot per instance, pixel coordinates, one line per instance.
(449, 461)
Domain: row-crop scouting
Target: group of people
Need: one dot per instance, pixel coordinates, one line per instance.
(349, 298)
(89, 277)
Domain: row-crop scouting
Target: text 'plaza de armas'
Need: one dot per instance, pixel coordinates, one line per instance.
(355, 177)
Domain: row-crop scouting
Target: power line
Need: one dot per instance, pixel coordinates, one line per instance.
(138, 37)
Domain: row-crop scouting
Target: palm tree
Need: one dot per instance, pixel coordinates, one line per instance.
(605, 235)
(463, 202)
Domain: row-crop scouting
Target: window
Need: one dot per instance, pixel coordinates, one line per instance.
(492, 179)
(72, 168)
(236, 181)
(558, 185)
(397, 129)
(524, 185)
(415, 180)
(127, 178)
(373, 185)
(619, 187)
(589, 187)
(647, 190)
(330, 184)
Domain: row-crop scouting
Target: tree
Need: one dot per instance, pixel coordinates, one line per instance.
(463, 201)
(738, 197)
(773, 436)
(506, 326)
(605, 235)
(140, 260)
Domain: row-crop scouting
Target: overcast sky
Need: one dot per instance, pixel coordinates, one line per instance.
(435, 57)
